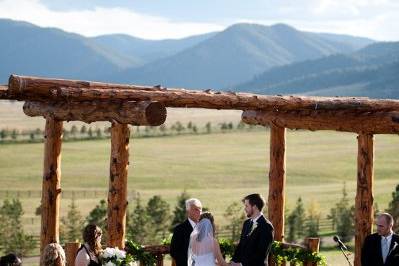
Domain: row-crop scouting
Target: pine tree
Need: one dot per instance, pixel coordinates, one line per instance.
(98, 216)
(158, 211)
(235, 217)
(179, 213)
(313, 219)
(296, 222)
(137, 223)
(12, 235)
(72, 224)
(393, 208)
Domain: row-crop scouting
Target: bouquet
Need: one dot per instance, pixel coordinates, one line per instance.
(116, 257)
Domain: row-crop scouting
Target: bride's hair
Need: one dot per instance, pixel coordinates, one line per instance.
(92, 236)
(209, 216)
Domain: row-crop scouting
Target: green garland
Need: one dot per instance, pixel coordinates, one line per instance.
(280, 254)
(295, 255)
(138, 253)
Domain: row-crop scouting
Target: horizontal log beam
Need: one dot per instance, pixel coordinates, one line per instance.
(348, 121)
(33, 88)
(3, 92)
(134, 113)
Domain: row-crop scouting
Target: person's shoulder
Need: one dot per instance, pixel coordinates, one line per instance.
(181, 226)
(372, 237)
(263, 220)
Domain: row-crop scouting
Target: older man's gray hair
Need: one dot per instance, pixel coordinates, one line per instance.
(388, 218)
(193, 201)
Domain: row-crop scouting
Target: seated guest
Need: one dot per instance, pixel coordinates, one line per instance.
(89, 252)
(10, 260)
(381, 248)
(53, 255)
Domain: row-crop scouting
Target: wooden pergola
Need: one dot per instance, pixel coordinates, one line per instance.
(65, 100)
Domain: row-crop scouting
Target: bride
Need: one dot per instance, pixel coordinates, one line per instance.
(204, 250)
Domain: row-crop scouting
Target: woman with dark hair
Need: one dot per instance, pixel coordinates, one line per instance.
(10, 260)
(89, 252)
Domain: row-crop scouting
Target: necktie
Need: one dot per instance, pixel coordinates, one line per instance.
(384, 248)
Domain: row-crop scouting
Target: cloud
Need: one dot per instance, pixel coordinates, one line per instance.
(101, 20)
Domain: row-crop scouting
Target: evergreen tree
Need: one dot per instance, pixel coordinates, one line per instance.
(345, 217)
(12, 235)
(179, 213)
(393, 208)
(313, 219)
(158, 211)
(98, 216)
(296, 222)
(72, 224)
(208, 127)
(235, 216)
(138, 223)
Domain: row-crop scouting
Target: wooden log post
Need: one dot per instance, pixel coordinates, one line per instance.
(51, 189)
(34, 88)
(313, 244)
(135, 113)
(117, 194)
(276, 199)
(344, 120)
(71, 250)
(364, 193)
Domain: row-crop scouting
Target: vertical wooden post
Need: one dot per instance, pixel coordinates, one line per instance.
(71, 250)
(276, 197)
(313, 244)
(117, 194)
(364, 193)
(51, 188)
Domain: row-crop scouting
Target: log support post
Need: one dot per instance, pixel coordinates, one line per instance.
(276, 199)
(117, 194)
(364, 194)
(51, 188)
(71, 250)
(313, 244)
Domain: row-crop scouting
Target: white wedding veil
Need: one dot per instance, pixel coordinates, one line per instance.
(201, 241)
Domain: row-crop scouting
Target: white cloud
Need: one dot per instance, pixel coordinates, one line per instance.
(101, 21)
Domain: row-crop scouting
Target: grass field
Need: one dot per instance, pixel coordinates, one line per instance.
(217, 168)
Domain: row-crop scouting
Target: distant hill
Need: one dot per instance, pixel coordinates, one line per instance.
(372, 71)
(31, 50)
(147, 50)
(237, 54)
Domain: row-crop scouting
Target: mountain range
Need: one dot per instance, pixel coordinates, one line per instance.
(277, 59)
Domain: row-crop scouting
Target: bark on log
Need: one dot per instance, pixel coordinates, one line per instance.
(33, 88)
(117, 194)
(3, 92)
(276, 197)
(71, 250)
(313, 246)
(51, 188)
(348, 121)
(364, 193)
(134, 113)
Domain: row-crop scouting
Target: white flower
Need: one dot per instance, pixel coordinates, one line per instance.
(108, 253)
(254, 225)
(109, 263)
(120, 254)
(133, 263)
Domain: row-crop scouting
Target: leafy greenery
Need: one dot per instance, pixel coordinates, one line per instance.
(296, 222)
(158, 212)
(179, 213)
(235, 218)
(71, 225)
(139, 254)
(295, 255)
(98, 216)
(12, 235)
(393, 208)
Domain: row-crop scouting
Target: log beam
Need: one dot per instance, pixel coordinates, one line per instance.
(51, 189)
(134, 113)
(117, 194)
(364, 193)
(276, 199)
(33, 88)
(348, 121)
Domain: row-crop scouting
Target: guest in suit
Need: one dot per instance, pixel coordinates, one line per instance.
(256, 236)
(181, 233)
(381, 248)
(10, 259)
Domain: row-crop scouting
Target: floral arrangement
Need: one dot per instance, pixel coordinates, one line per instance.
(116, 257)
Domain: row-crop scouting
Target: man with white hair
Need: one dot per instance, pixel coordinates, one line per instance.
(381, 248)
(181, 233)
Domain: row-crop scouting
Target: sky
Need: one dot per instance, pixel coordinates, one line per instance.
(162, 19)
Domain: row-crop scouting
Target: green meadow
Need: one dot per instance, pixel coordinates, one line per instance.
(218, 168)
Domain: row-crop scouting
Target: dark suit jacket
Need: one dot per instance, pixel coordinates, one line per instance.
(180, 242)
(253, 248)
(371, 251)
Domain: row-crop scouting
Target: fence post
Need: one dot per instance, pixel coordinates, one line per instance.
(71, 249)
(313, 246)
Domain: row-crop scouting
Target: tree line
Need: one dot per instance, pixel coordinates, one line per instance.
(87, 132)
(151, 223)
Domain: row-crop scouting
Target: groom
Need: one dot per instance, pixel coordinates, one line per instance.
(256, 235)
